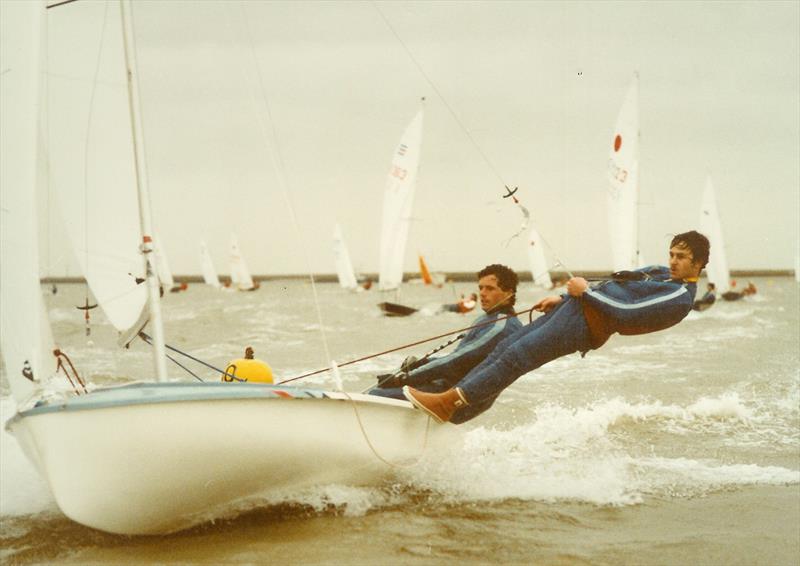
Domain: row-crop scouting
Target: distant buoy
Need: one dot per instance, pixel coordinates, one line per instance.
(248, 369)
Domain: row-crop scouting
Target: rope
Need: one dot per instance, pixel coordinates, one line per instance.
(147, 339)
(411, 464)
(61, 356)
(279, 168)
(417, 343)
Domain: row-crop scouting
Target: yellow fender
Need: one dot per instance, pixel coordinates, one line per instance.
(248, 369)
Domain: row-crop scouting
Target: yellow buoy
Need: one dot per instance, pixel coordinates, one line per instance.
(248, 369)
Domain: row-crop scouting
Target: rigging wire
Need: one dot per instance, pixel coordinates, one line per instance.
(466, 132)
(276, 158)
(404, 346)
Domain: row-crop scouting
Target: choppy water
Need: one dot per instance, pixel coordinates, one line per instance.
(678, 446)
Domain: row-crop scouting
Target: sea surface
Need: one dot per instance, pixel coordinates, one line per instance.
(679, 447)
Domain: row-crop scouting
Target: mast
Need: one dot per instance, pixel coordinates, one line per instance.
(143, 192)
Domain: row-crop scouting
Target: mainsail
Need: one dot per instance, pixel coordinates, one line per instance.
(717, 268)
(209, 273)
(623, 183)
(398, 200)
(344, 267)
(162, 264)
(539, 270)
(240, 274)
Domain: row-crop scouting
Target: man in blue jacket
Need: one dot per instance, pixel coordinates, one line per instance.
(497, 286)
(583, 319)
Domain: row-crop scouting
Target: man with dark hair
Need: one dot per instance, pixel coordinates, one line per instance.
(497, 287)
(583, 319)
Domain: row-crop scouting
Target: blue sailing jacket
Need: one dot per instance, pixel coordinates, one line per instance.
(471, 350)
(653, 303)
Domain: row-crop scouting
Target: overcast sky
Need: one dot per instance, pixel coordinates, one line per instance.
(535, 88)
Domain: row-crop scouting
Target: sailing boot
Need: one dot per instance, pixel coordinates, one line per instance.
(440, 406)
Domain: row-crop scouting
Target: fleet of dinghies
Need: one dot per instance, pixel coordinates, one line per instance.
(146, 457)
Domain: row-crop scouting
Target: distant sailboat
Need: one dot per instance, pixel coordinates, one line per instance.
(428, 278)
(341, 256)
(209, 272)
(717, 269)
(164, 271)
(539, 270)
(623, 180)
(240, 274)
(398, 200)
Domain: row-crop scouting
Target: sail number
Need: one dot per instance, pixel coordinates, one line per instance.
(399, 172)
(616, 172)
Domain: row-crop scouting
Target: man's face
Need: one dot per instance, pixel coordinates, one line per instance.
(490, 292)
(681, 263)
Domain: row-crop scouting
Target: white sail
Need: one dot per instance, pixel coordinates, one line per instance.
(539, 270)
(717, 268)
(398, 199)
(209, 273)
(623, 180)
(91, 161)
(162, 264)
(344, 267)
(240, 274)
(25, 335)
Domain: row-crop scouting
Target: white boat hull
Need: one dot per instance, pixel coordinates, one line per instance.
(166, 458)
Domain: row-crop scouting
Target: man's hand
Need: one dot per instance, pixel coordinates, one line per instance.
(547, 304)
(391, 380)
(577, 286)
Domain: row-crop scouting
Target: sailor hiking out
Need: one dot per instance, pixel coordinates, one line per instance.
(583, 319)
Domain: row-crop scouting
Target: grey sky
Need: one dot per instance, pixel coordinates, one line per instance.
(537, 85)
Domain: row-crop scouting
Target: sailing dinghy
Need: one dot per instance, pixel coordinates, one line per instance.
(157, 456)
(210, 276)
(717, 270)
(344, 267)
(398, 201)
(539, 271)
(240, 274)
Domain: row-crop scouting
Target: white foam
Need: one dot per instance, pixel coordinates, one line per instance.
(581, 454)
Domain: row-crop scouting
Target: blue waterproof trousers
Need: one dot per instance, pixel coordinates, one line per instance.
(560, 332)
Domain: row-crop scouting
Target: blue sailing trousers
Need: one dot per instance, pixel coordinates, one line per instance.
(560, 332)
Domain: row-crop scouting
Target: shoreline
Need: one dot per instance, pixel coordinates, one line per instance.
(454, 276)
